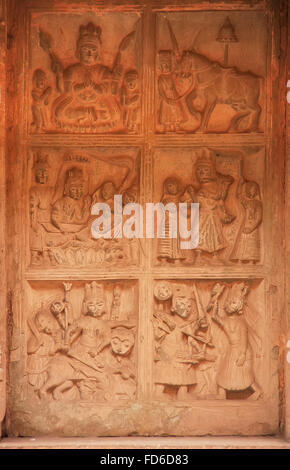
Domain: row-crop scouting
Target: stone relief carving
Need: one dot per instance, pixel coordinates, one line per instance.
(61, 200)
(88, 95)
(205, 350)
(230, 206)
(83, 351)
(197, 93)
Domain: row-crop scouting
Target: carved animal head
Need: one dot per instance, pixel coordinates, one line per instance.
(122, 340)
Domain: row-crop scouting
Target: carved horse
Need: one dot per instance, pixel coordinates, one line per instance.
(225, 85)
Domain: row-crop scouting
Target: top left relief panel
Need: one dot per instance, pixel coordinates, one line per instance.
(85, 73)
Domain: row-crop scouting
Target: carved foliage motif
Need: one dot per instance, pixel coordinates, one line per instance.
(64, 188)
(90, 85)
(198, 89)
(207, 340)
(227, 185)
(81, 343)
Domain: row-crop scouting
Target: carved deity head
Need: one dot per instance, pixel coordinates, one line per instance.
(41, 168)
(122, 341)
(74, 184)
(44, 322)
(165, 61)
(95, 307)
(88, 44)
(39, 79)
(171, 186)
(94, 302)
(205, 168)
(131, 79)
(236, 298)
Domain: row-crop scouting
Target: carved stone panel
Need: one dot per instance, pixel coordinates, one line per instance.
(205, 80)
(91, 84)
(64, 187)
(82, 341)
(208, 340)
(228, 186)
(153, 102)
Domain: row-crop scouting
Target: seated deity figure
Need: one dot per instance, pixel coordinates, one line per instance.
(70, 214)
(89, 100)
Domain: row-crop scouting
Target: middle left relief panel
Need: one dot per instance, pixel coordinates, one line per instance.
(64, 184)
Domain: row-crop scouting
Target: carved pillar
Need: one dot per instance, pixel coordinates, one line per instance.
(2, 212)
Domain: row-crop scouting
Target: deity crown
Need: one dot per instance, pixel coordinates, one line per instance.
(89, 34)
(94, 291)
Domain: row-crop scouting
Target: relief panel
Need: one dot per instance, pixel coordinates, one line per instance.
(205, 79)
(228, 186)
(82, 341)
(85, 74)
(64, 186)
(208, 340)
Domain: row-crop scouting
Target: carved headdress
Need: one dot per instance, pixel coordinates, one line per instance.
(40, 161)
(206, 159)
(89, 34)
(94, 291)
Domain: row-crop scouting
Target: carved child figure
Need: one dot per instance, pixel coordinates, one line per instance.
(170, 113)
(130, 100)
(168, 248)
(247, 247)
(40, 95)
(40, 197)
(235, 371)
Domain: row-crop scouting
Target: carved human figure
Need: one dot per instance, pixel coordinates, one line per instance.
(211, 193)
(40, 197)
(247, 246)
(41, 347)
(88, 100)
(168, 248)
(174, 362)
(170, 113)
(40, 95)
(130, 100)
(235, 371)
(70, 213)
(122, 369)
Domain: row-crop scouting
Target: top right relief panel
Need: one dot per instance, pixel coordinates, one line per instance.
(211, 72)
